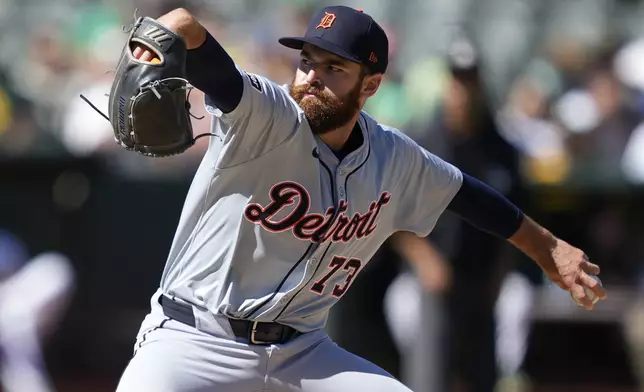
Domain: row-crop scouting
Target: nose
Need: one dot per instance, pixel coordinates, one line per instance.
(313, 78)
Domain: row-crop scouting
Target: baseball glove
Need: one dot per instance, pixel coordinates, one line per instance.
(148, 102)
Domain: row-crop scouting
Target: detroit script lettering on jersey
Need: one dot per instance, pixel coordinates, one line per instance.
(334, 224)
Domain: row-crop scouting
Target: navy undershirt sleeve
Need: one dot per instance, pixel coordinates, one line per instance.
(485, 208)
(210, 69)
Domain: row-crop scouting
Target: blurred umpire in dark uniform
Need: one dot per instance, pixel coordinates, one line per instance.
(464, 132)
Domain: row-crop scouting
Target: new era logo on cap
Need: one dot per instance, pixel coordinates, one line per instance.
(348, 33)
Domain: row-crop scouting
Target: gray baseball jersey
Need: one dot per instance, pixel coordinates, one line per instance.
(276, 228)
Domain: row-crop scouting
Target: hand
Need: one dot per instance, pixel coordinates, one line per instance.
(181, 22)
(435, 274)
(565, 265)
(432, 268)
(571, 270)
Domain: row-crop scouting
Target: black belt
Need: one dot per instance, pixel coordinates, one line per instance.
(254, 332)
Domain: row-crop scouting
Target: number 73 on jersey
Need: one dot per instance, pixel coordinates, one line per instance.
(349, 265)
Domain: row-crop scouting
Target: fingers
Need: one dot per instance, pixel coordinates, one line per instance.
(581, 298)
(137, 52)
(147, 56)
(594, 285)
(142, 53)
(587, 291)
(590, 268)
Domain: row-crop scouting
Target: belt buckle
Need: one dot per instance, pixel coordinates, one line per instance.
(252, 336)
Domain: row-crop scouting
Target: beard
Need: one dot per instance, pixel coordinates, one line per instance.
(324, 111)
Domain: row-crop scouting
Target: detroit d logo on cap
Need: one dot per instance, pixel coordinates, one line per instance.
(327, 21)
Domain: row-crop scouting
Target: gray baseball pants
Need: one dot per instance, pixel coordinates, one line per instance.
(170, 356)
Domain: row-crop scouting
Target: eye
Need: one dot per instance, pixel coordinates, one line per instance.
(335, 69)
(306, 62)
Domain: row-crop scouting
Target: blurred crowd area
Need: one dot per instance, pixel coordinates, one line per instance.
(562, 76)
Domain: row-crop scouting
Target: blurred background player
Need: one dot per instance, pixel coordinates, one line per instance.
(454, 288)
(34, 295)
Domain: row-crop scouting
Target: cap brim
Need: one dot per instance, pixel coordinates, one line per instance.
(298, 43)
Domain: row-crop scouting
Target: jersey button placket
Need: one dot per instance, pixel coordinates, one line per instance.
(342, 172)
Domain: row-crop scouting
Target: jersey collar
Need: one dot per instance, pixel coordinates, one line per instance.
(356, 157)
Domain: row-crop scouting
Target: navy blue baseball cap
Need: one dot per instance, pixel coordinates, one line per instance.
(348, 33)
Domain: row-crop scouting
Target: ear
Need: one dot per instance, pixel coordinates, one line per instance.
(370, 84)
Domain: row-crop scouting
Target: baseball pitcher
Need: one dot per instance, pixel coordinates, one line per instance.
(298, 189)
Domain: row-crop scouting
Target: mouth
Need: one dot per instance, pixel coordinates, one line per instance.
(311, 96)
